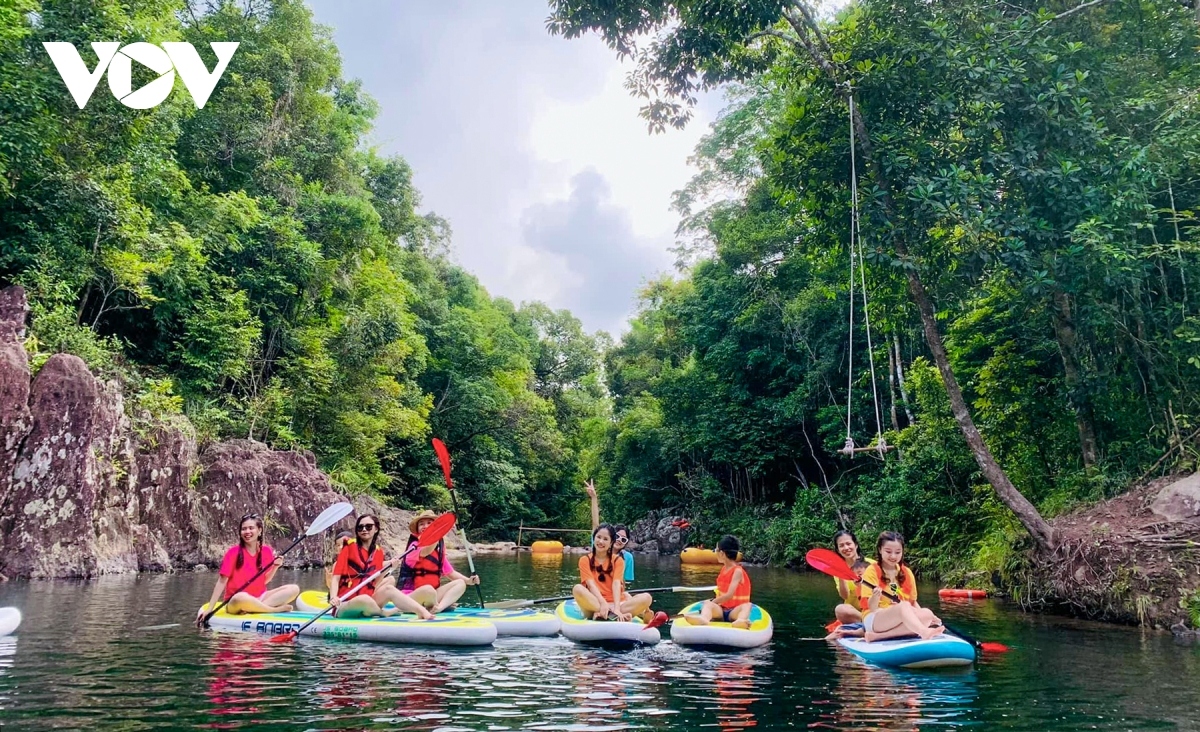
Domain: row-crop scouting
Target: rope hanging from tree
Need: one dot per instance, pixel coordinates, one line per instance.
(880, 445)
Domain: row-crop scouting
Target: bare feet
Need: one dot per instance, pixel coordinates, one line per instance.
(742, 623)
(281, 609)
(425, 614)
(695, 619)
(931, 632)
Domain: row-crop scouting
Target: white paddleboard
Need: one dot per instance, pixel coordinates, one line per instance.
(10, 618)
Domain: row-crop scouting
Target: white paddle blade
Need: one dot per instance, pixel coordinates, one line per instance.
(677, 588)
(329, 517)
(10, 618)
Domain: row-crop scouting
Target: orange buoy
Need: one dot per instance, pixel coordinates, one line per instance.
(546, 547)
(970, 594)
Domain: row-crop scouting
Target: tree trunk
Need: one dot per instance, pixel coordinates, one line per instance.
(1064, 333)
(900, 377)
(892, 387)
(995, 475)
(1028, 515)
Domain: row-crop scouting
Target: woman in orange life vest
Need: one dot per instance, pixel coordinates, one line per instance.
(732, 603)
(422, 571)
(243, 562)
(359, 560)
(883, 618)
(847, 547)
(601, 593)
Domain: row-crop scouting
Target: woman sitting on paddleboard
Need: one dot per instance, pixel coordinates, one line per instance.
(358, 560)
(848, 611)
(884, 618)
(244, 561)
(620, 532)
(601, 582)
(422, 571)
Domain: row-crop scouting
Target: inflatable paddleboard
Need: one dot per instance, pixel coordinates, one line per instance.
(581, 630)
(10, 618)
(518, 622)
(397, 629)
(943, 650)
(723, 634)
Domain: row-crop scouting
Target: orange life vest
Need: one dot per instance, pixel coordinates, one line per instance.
(905, 589)
(725, 579)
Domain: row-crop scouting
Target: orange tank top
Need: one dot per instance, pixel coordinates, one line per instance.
(725, 579)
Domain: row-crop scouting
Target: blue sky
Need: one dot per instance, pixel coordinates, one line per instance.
(527, 143)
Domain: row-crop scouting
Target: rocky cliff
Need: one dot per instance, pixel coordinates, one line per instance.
(82, 493)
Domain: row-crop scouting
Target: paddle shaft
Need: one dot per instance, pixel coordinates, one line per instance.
(350, 593)
(259, 573)
(462, 534)
(527, 603)
(443, 455)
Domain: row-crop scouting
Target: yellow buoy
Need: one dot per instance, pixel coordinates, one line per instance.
(546, 547)
(695, 555)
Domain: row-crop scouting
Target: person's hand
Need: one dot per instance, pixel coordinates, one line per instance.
(200, 614)
(877, 592)
(590, 487)
(335, 601)
(278, 562)
(396, 562)
(603, 610)
(473, 579)
(624, 617)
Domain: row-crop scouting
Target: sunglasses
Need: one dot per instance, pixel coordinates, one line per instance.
(621, 540)
(247, 517)
(365, 527)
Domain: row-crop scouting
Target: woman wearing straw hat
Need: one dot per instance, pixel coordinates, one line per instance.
(422, 571)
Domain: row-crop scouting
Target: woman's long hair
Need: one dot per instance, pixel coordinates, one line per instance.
(612, 535)
(375, 538)
(242, 548)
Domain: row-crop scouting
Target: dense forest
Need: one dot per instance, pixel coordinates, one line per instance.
(1025, 333)
(1027, 196)
(255, 267)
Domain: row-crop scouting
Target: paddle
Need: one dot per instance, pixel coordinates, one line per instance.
(328, 517)
(432, 534)
(513, 604)
(832, 564)
(444, 457)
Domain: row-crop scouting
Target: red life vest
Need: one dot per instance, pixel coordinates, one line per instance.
(725, 579)
(361, 566)
(426, 571)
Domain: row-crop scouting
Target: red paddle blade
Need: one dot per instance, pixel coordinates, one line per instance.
(284, 637)
(434, 532)
(660, 618)
(992, 647)
(831, 563)
(833, 626)
(444, 457)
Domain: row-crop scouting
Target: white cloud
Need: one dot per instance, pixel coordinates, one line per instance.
(499, 120)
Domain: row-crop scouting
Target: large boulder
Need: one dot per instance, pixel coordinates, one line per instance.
(167, 478)
(1179, 501)
(239, 477)
(15, 418)
(660, 532)
(48, 518)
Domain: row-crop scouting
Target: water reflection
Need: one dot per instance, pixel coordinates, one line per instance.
(84, 661)
(869, 697)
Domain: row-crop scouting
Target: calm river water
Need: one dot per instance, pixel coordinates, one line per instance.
(81, 660)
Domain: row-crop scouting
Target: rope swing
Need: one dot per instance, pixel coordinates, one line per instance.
(879, 445)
